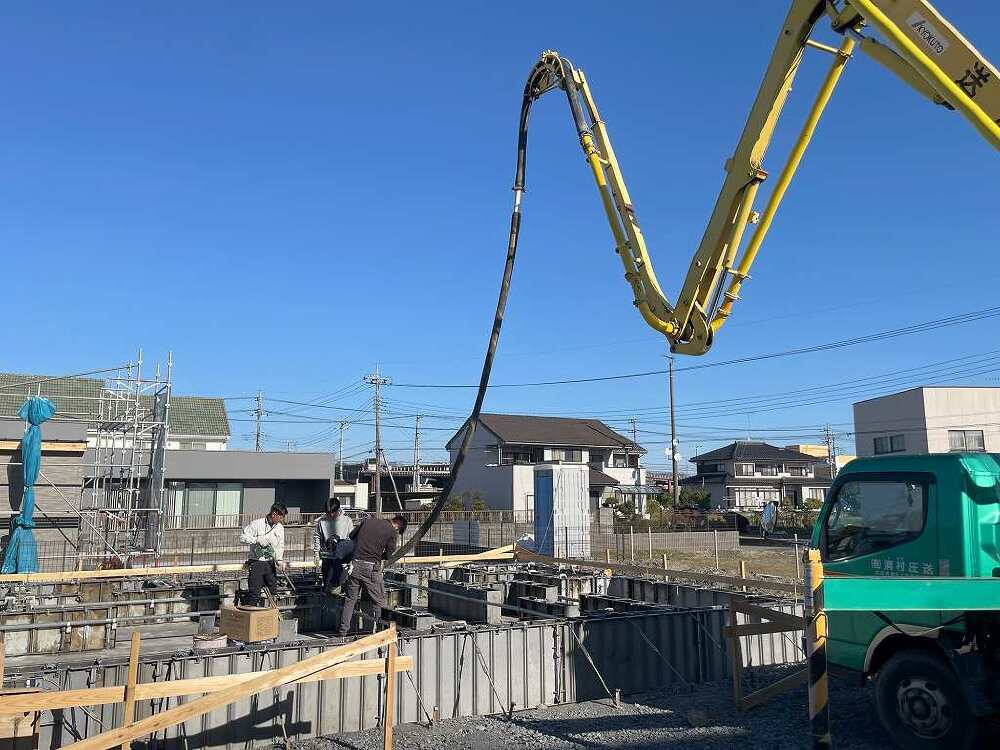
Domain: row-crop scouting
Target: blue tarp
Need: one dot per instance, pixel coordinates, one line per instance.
(22, 555)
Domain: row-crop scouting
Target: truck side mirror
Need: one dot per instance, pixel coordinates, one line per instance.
(983, 480)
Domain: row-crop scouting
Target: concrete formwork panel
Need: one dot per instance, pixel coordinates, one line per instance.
(530, 663)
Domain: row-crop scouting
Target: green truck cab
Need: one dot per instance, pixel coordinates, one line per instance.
(936, 674)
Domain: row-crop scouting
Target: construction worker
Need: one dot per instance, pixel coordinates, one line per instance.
(266, 537)
(374, 542)
(332, 546)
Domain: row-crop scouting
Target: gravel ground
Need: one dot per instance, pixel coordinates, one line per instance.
(701, 719)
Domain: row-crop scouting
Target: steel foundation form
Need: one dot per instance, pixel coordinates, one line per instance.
(457, 672)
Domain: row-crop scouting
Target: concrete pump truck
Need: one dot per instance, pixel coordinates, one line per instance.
(929, 638)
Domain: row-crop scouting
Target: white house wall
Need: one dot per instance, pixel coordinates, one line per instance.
(961, 409)
(925, 415)
(897, 414)
(625, 475)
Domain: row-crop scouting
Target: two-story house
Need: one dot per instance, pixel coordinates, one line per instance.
(507, 448)
(195, 422)
(747, 474)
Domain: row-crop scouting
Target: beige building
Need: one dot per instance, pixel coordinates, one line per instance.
(929, 419)
(821, 451)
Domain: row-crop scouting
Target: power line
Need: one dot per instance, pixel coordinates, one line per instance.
(953, 320)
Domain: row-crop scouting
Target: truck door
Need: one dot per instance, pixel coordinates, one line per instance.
(878, 525)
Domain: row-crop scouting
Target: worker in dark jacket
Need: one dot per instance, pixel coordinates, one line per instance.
(332, 546)
(375, 539)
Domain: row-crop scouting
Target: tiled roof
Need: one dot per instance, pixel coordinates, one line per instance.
(752, 450)
(600, 479)
(195, 415)
(79, 398)
(517, 429)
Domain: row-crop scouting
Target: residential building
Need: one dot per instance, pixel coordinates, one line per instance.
(929, 419)
(194, 422)
(202, 483)
(747, 474)
(822, 452)
(507, 448)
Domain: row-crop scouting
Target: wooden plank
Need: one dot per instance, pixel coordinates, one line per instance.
(72, 576)
(48, 446)
(736, 665)
(793, 621)
(792, 681)
(500, 553)
(691, 575)
(757, 628)
(130, 682)
(233, 693)
(53, 701)
(390, 697)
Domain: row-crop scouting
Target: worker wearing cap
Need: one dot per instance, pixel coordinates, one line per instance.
(374, 542)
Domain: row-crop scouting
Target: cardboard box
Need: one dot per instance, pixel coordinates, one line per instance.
(249, 624)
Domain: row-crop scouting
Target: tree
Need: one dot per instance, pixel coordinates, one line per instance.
(701, 498)
(478, 505)
(454, 504)
(624, 510)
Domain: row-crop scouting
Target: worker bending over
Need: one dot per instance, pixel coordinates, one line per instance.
(266, 537)
(332, 547)
(374, 542)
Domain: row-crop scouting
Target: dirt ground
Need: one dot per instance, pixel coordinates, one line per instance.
(703, 718)
(770, 561)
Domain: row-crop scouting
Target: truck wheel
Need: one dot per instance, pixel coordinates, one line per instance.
(920, 703)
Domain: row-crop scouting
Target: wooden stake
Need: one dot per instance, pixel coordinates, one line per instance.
(743, 572)
(736, 659)
(130, 683)
(390, 697)
(203, 705)
(665, 576)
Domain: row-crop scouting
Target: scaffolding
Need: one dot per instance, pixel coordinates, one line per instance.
(123, 490)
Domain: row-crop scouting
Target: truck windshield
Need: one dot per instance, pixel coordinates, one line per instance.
(869, 516)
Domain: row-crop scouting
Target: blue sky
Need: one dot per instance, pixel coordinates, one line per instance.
(284, 195)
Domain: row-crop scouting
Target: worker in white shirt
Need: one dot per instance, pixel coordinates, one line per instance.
(332, 546)
(266, 537)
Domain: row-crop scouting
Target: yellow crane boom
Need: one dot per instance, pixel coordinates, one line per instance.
(920, 47)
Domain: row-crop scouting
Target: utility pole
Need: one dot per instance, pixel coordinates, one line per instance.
(416, 454)
(378, 381)
(638, 471)
(831, 450)
(343, 425)
(258, 414)
(673, 436)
